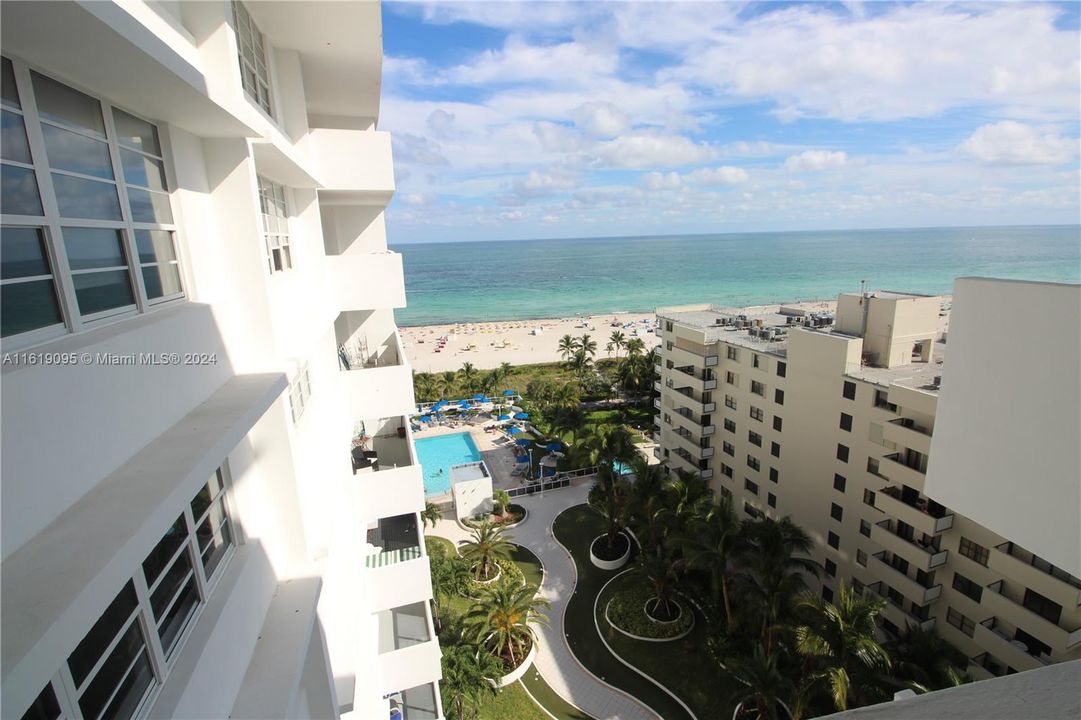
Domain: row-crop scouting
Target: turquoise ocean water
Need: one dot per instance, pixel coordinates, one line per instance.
(480, 281)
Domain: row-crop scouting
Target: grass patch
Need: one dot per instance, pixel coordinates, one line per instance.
(543, 693)
(439, 547)
(528, 564)
(511, 702)
(576, 528)
(626, 599)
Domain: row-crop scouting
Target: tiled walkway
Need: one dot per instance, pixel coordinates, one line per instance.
(554, 660)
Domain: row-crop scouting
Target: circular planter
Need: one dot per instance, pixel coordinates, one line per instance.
(632, 636)
(645, 609)
(489, 581)
(517, 673)
(610, 564)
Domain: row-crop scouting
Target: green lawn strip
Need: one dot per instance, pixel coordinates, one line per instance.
(543, 693)
(683, 665)
(437, 546)
(623, 603)
(529, 564)
(511, 702)
(575, 528)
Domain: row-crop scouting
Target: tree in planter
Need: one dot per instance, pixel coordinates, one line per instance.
(927, 661)
(712, 540)
(660, 568)
(764, 686)
(500, 502)
(430, 515)
(607, 498)
(500, 619)
(840, 640)
(465, 684)
(487, 545)
(645, 510)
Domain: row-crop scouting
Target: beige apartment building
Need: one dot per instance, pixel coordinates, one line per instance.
(829, 418)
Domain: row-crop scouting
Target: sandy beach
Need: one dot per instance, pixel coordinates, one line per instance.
(487, 345)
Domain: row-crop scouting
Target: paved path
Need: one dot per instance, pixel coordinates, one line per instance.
(556, 664)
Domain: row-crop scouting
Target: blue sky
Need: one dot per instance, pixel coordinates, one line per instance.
(552, 119)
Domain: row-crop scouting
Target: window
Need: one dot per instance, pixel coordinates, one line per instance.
(300, 392)
(778, 396)
(251, 48)
(834, 540)
(774, 476)
(827, 594)
(966, 586)
(754, 438)
(960, 622)
(667, 418)
(729, 402)
(733, 353)
(868, 497)
(842, 452)
(839, 482)
(872, 466)
(865, 528)
(211, 524)
(756, 360)
(1045, 608)
(749, 486)
(752, 510)
(782, 368)
(771, 500)
(775, 449)
(857, 586)
(849, 391)
(757, 414)
(45, 706)
(861, 558)
(831, 568)
(731, 378)
(726, 470)
(752, 463)
(170, 580)
(758, 388)
(846, 422)
(972, 551)
(726, 494)
(728, 448)
(836, 511)
(668, 326)
(777, 423)
(275, 225)
(729, 425)
(113, 234)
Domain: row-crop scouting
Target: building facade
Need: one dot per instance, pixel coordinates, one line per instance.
(829, 417)
(210, 490)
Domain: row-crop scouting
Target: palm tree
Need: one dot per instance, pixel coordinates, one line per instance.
(763, 683)
(635, 347)
(607, 497)
(659, 568)
(468, 375)
(618, 340)
(772, 575)
(465, 679)
(450, 578)
(501, 618)
(501, 500)
(581, 363)
(926, 660)
(568, 344)
(450, 381)
(588, 345)
(713, 539)
(840, 638)
(645, 509)
(488, 544)
(430, 515)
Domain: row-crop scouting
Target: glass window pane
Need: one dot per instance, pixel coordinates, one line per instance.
(136, 133)
(206, 495)
(150, 207)
(59, 103)
(131, 692)
(209, 527)
(9, 95)
(28, 306)
(215, 550)
(113, 674)
(45, 706)
(22, 253)
(69, 150)
(162, 280)
(13, 145)
(83, 198)
(170, 628)
(89, 248)
(19, 191)
(142, 170)
(155, 245)
(170, 583)
(164, 550)
(100, 291)
(105, 629)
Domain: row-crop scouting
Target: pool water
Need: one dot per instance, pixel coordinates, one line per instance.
(438, 454)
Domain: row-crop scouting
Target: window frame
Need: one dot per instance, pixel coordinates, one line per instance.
(253, 32)
(267, 191)
(973, 551)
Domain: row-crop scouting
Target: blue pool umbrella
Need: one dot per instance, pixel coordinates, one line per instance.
(548, 471)
(425, 418)
(440, 405)
(521, 416)
(509, 393)
(481, 396)
(554, 446)
(504, 417)
(523, 441)
(522, 458)
(515, 430)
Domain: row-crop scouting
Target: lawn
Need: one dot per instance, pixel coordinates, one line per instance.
(576, 528)
(547, 697)
(510, 702)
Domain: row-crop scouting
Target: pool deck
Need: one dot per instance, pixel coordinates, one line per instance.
(498, 458)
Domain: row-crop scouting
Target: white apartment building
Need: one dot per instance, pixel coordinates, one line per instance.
(210, 491)
(943, 476)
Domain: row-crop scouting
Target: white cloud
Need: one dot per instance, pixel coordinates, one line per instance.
(419, 199)
(562, 64)
(662, 181)
(1014, 143)
(600, 119)
(724, 175)
(811, 160)
(513, 215)
(646, 149)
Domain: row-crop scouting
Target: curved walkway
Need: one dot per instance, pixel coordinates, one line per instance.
(556, 664)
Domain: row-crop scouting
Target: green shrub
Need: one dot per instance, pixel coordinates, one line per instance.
(626, 610)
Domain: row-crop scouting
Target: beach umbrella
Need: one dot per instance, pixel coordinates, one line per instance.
(515, 430)
(440, 405)
(521, 416)
(554, 446)
(523, 441)
(504, 417)
(481, 396)
(509, 393)
(522, 458)
(425, 418)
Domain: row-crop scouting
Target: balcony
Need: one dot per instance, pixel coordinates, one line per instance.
(896, 614)
(998, 638)
(905, 432)
(896, 468)
(1013, 561)
(386, 473)
(353, 166)
(986, 666)
(366, 281)
(923, 557)
(687, 401)
(417, 703)
(376, 383)
(686, 377)
(408, 652)
(1007, 600)
(657, 403)
(917, 513)
(695, 422)
(657, 385)
(901, 582)
(397, 564)
(682, 357)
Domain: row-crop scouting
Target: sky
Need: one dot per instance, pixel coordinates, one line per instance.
(555, 119)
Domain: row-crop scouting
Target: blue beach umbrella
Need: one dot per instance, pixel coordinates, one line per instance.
(522, 458)
(481, 396)
(509, 393)
(504, 417)
(523, 442)
(515, 430)
(555, 446)
(521, 416)
(440, 405)
(425, 418)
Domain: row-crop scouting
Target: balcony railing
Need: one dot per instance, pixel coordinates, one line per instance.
(364, 352)
(929, 518)
(994, 634)
(393, 540)
(925, 557)
(1008, 600)
(1014, 561)
(907, 586)
(896, 612)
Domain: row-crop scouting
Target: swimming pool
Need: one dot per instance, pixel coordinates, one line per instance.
(437, 454)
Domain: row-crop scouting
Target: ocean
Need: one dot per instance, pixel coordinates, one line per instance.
(514, 280)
